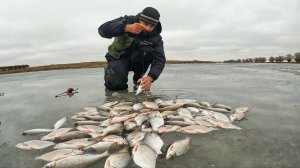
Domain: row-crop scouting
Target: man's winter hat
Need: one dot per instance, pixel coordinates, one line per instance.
(150, 15)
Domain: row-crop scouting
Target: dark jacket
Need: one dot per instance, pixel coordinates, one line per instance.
(125, 43)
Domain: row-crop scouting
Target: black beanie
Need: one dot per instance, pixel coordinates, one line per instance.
(150, 15)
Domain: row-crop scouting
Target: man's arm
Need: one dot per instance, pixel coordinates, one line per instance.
(113, 28)
(159, 61)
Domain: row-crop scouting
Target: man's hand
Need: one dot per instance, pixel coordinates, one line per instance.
(145, 82)
(135, 28)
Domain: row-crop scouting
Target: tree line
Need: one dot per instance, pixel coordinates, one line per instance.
(279, 59)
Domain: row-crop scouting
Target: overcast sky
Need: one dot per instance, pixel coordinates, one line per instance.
(41, 32)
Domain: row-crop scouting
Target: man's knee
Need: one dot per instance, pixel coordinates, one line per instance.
(114, 81)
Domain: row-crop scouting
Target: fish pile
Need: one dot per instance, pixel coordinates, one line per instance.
(127, 131)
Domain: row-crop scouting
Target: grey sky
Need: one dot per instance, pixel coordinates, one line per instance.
(41, 32)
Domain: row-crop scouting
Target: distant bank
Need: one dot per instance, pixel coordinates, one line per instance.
(84, 65)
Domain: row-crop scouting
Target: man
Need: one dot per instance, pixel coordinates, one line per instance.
(137, 45)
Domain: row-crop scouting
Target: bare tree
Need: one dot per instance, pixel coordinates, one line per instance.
(297, 57)
(289, 57)
(271, 59)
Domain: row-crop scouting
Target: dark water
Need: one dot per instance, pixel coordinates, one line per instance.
(270, 136)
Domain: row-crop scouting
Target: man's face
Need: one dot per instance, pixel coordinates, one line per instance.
(147, 26)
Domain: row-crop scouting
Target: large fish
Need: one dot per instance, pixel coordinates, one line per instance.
(70, 135)
(59, 154)
(119, 159)
(184, 112)
(36, 131)
(150, 105)
(178, 148)
(156, 122)
(167, 128)
(74, 144)
(80, 161)
(218, 105)
(55, 133)
(237, 116)
(196, 129)
(135, 137)
(222, 124)
(154, 141)
(144, 156)
(34, 145)
(99, 147)
(90, 128)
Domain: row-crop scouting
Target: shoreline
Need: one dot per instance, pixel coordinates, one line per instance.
(99, 64)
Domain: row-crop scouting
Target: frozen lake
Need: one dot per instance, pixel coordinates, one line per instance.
(270, 136)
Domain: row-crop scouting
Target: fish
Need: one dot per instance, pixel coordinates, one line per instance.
(144, 156)
(95, 117)
(158, 101)
(184, 101)
(196, 129)
(90, 108)
(139, 90)
(70, 135)
(154, 141)
(60, 123)
(89, 122)
(150, 105)
(99, 147)
(115, 128)
(178, 148)
(123, 107)
(216, 115)
(138, 106)
(59, 154)
(218, 110)
(90, 128)
(80, 161)
(156, 122)
(178, 123)
(218, 105)
(129, 125)
(184, 112)
(222, 124)
(36, 131)
(204, 103)
(237, 116)
(120, 159)
(167, 128)
(118, 119)
(166, 113)
(34, 145)
(74, 144)
(55, 133)
(241, 110)
(139, 119)
(172, 107)
(135, 137)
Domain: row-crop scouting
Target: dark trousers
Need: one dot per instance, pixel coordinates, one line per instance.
(116, 71)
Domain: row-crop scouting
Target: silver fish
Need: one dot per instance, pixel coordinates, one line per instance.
(172, 107)
(137, 106)
(135, 137)
(167, 128)
(119, 159)
(89, 128)
(55, 133)
(156, 122)
(34, 145)
(150, 105)
(222, 124)
(154, 141)
(70, 135)
(98, 147)
(59, 154)
(196, 129)
(218, 110)
(77, 161)
(90, 122)
(74, 144)
(139, 90)
(36, 131)
(139, 119)
(178, 148)
(216, 115)
(115, 128)
(241, 110)
(237, 116)
(184, 112)
(204, 103)
(60, 123)
(144, 156)
(218, 105)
